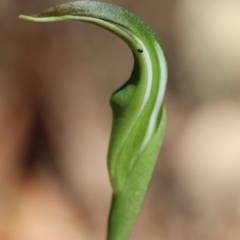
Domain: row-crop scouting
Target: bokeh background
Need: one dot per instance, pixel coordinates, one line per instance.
(55, 83)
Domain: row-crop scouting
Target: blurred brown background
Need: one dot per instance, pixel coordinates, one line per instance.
(55, 83)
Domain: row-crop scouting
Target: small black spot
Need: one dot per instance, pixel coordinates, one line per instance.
(140, 50)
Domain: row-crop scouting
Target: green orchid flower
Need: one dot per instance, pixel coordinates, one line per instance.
(139, 117)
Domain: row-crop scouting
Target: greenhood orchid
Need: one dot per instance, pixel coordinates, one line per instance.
(139, 117)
